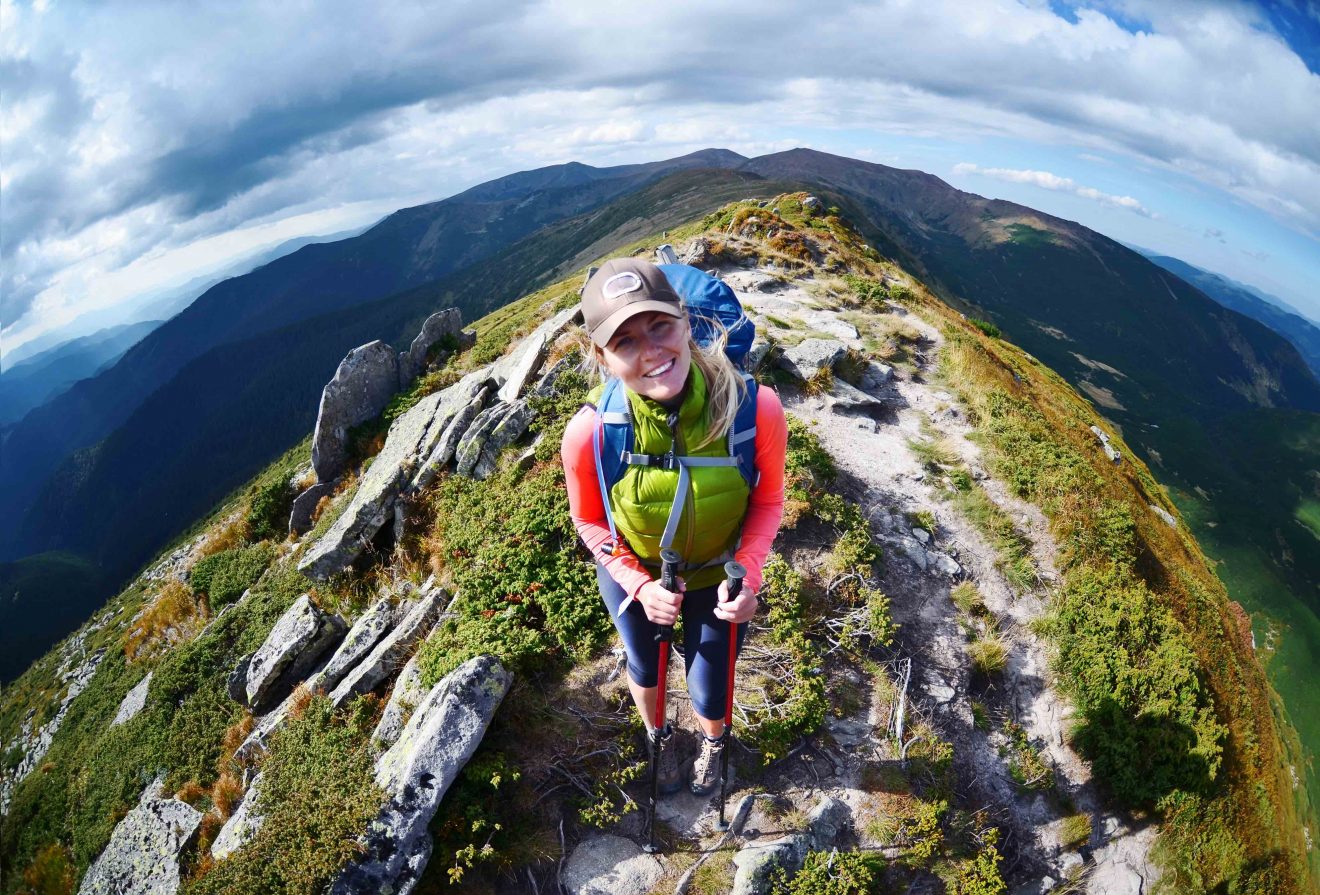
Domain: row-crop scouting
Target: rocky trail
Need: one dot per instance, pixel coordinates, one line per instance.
(829, 782)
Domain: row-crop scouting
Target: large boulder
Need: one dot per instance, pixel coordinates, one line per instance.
(448, 322)
(366, 632)
(290, 651)
(134, 702)
(807, 358)
(611, 865)
(142, 857)
(391, 652)
(242, 825)
(418, 770)
(362, 385)
(446, 447)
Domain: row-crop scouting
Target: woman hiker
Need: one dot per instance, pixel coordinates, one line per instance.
(682, 399)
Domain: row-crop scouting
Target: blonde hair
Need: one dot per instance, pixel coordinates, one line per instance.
(725, 387)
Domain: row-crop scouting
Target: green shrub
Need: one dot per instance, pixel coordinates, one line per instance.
(829, 873)
(269, 506)
(1147, 723)
(804, 691)
(475, 826)
(317, 796)
(508, 546)
(224, 576)
(980, 875)
(986, 327)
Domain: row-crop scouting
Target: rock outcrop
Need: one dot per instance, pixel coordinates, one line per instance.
(362, 385)
(304, 505)
(442, 324)
(406, 695)
(418, 770)
(366, 632)
(142, 857)
(389, 654)
(133, 703)
(611, 865)
(290, 651)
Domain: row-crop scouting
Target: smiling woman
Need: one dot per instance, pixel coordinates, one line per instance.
(681, 487)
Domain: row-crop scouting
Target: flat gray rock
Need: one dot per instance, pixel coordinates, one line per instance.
(366, 632)
(142, 857)
(290, 651)
(845, 398)
(133, 702)
(830, 325)
(363, 384)
(514, 369)
(810, 356)
(389, 655)
(418, 770)
(404, 698)
(611, 865)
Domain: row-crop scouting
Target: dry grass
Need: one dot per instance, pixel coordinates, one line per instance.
(989, 655)
(967, 598)
(233, 532)
(173, 617)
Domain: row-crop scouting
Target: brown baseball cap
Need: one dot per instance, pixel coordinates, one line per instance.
(621, 288)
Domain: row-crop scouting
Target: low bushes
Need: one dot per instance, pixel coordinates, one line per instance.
(224, 576)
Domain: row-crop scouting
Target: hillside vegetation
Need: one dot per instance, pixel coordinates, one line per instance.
(1171, 710)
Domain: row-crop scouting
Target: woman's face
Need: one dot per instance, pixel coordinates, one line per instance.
(649, 352)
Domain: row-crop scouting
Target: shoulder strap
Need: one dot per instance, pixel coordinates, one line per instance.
(611, 436)
(742, 434)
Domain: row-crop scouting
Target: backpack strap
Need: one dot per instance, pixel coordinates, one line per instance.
(611, 439)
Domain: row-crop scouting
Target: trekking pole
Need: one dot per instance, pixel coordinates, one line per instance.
(735, 572)
(669, 562)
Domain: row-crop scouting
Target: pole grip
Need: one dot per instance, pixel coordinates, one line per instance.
(669, 563)
(735, 572)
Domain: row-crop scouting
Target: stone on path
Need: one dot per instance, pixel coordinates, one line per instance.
(363, 384)
(830, 325)
(807, 358)
(845, 398)
(133, 702)
(142, 857)
(611, 865)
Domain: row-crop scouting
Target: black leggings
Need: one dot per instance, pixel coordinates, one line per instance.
(705, 643)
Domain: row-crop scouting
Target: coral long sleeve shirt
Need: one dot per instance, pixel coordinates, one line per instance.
(765, 507)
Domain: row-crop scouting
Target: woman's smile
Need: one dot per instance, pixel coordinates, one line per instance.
(650, 354)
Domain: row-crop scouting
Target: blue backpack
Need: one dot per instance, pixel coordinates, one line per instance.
(706, 299)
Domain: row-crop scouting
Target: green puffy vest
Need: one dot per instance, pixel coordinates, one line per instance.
(717, 495)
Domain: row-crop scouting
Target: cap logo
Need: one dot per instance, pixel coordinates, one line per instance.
(621, 284)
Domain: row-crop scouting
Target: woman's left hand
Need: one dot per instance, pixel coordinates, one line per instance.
(737, 610)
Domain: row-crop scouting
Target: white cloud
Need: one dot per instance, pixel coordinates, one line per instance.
(1047, 181)
(131, 128)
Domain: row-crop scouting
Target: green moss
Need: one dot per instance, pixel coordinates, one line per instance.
(317, 796)
(224, 576)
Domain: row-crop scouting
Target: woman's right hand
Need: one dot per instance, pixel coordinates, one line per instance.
(660, 605)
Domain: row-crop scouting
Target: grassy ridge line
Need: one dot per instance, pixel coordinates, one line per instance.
(1245, 826)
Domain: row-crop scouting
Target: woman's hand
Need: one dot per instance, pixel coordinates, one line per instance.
(660, 605)
(738, 610)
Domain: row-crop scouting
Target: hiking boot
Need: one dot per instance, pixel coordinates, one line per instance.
(706, 769)
(668, 779)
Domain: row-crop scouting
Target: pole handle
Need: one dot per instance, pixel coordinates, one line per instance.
(669, 563)
(735, 572)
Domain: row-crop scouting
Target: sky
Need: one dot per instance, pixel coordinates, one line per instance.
(145, 144)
